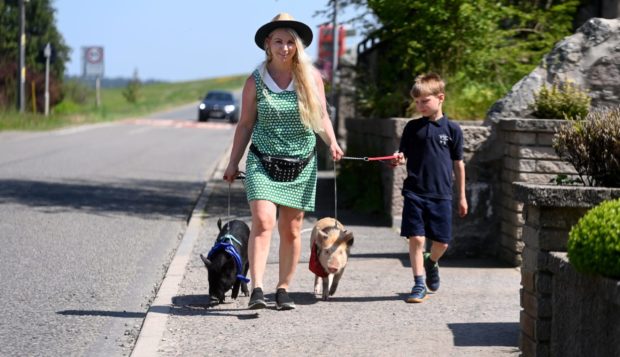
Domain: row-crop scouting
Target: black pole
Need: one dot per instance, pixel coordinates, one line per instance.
(22, 57)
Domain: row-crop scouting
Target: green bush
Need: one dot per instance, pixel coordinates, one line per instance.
(67, 106)
(564, 100)
(594, 242)
(76, 92)
(132, 90)
(592, 146)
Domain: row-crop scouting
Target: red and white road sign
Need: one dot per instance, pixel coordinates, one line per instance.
(92, 60)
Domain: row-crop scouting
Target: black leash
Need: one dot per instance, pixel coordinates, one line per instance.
(240, 176)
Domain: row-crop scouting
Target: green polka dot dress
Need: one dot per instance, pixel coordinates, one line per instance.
(279, 131)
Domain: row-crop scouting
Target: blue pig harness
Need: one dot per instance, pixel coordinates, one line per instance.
(225, 243)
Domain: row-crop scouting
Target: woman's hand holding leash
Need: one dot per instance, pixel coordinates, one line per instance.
(231, 173)
(336, 151)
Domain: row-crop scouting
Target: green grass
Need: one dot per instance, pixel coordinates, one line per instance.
(151, 98)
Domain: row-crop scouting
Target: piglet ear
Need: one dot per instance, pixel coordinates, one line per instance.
(219, 224)
(322, 235)
(205, 260)
(348, 238)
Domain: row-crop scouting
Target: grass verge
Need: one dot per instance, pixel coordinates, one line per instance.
(78, 106)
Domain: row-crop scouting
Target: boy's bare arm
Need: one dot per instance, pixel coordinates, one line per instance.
(459, 172)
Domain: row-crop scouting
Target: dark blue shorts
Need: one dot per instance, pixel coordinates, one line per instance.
(426, 217)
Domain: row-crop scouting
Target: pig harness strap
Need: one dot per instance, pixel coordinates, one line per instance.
(225, 243)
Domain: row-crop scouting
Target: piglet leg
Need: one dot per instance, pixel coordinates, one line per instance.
(317, 286)
(327, 281)
(334, 284)
(235, 290)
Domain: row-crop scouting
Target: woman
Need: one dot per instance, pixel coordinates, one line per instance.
(283, 105)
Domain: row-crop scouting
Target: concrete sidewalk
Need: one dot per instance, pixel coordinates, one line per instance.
(475, 313)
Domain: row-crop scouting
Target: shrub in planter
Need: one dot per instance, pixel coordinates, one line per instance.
(563, 100)
(594, 242)
(593, 147)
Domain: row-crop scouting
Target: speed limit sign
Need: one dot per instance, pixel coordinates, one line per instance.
(94, 54)
(92, 61)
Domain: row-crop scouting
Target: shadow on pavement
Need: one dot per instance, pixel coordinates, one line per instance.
(124, 314)
(403, 257)
(144, 198)
(485, 333)
(204, 310)
(219, 201)
(487, 263)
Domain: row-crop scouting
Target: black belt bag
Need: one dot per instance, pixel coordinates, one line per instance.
(281, 168)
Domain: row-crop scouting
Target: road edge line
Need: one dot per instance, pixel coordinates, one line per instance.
(158, 313)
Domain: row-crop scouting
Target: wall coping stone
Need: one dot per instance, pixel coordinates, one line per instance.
(522, 124)
(607, 287)
(542, 195)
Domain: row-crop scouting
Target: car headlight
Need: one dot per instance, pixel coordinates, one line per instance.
(202, 106)
(229, 108)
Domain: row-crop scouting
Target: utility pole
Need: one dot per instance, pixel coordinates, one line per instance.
(334, 92)
(22, 57)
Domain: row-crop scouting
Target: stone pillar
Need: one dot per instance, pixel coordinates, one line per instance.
(528, 156)
(550, 211)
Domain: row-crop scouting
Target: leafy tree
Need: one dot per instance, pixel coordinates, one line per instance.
(40, 30)
(480, 47)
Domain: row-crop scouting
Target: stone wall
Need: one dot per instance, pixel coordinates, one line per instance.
(596, 323)
(495, 156)
(558, 303)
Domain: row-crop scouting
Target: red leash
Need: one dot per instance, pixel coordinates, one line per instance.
(366, 158)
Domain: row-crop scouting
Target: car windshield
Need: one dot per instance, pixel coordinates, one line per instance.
(219, 96)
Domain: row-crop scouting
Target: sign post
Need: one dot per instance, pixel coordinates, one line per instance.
(47, 52)
(92, 58)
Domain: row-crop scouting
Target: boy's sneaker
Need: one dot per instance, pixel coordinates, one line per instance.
(257, 300)
(283, 301)
(432, 273)
(418, 294)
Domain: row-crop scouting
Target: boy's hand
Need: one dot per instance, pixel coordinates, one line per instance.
(462, 207)
(400, 160)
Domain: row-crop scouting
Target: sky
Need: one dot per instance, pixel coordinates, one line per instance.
(178, 40)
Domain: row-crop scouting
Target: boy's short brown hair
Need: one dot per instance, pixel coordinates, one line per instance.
(427, 84)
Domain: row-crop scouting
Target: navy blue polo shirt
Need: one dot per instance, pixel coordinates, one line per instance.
(431, 147)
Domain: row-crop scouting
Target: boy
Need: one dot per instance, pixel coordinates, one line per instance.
(433, 147)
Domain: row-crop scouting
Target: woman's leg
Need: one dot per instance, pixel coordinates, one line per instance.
(263, 222)
(289, 225)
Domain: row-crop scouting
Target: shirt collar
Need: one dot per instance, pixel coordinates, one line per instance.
(439, 122)
(270, 83)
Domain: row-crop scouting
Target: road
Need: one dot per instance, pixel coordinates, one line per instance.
(89, 219)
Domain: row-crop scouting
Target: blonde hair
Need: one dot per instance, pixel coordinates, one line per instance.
(310, 108)
(427, 84)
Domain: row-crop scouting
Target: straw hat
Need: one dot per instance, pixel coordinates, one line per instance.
(283, 20)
